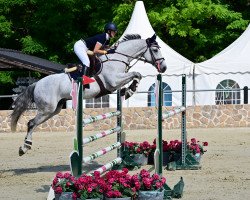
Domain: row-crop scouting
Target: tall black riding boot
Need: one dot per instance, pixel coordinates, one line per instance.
(85, 70)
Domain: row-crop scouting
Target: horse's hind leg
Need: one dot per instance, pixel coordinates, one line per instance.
(33, 123)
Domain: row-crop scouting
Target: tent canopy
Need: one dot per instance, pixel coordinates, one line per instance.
(139, 24)
(234, 59)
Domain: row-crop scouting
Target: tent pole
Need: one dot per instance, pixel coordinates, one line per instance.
(193, 78)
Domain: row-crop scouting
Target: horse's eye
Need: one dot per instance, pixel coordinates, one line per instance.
(155, 49)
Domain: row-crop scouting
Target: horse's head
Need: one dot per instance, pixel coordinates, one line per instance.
(153, 55)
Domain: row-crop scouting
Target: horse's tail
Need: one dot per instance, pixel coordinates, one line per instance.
(22, 103)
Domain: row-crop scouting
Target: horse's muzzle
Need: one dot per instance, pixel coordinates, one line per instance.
(163, 69)
(161, 66)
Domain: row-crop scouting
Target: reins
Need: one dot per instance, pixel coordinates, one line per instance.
(128, 66)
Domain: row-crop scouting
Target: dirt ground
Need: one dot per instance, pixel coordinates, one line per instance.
(225, 173)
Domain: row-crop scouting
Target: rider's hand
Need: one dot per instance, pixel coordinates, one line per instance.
(104, 52)
(111, 51)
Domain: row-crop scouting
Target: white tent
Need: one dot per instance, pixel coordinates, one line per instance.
(176, 64)
(233, 63)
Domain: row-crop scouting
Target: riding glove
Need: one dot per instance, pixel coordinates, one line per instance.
(110, 51)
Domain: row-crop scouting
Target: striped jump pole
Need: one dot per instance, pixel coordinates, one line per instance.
(109, 165)
(101, 152)
(100, 135)
(100, 117)
(76, 157)
(171, 113)
(159, 151)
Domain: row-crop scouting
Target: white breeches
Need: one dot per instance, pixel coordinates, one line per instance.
(80, 50)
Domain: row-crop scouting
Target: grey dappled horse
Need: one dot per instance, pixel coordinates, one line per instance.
(50, 93)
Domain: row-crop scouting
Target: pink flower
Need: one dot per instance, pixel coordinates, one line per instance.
(137, 185)
(58, 190)
(89, 190)
(59, 175)
(97, 174)
(125, 170)
(67, 175)
(138, 150)
(68, 184)
(205, 143)
(111, 180)
(55, 181)
(144, 173)
(74, 196)
(193, 140)
(158, 185)
(156, 177)
(163, 180)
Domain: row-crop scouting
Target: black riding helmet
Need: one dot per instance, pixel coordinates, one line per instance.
(110, 27)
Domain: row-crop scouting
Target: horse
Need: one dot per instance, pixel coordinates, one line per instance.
(51, 92)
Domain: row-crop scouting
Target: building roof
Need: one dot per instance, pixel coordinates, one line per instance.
(12, 59)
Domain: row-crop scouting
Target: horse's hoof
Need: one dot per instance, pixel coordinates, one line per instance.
(21, 152)
(123, 91)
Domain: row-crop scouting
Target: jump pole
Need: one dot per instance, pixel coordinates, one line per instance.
(76, 157)
(187, 161)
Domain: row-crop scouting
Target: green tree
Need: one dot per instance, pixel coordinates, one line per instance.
(198, 29)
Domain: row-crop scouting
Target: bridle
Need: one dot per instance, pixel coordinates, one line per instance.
(156, 62)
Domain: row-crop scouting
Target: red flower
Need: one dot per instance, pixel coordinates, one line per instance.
(58, 190)
(121, 184)
(193, 140)
(205, 144)
(67, 175)
(59, 175)
(148, 182)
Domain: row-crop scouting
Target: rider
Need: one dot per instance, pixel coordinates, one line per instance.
(96, 44)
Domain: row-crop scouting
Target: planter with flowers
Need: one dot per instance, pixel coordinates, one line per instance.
(63, 186)
(90, 187)
(114, 185)
(196, 148)
(119, 185)
(68, 187)
(171, 151)
(139, 152)
(194, 151)
(151, 187)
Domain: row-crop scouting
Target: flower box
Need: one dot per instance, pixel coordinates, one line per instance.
(64, 196)
(151, 195)
(140, 159)
(166, 158)
(121, 198)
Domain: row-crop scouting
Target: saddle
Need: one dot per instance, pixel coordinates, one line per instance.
(75, 70)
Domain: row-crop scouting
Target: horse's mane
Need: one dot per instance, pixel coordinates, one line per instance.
(130, 37)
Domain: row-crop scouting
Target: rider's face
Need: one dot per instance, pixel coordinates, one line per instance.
(112, 33)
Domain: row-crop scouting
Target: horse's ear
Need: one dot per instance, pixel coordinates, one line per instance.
(153, 38)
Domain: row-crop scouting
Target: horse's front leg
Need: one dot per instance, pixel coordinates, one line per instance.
(132, 76)
(131, 89)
